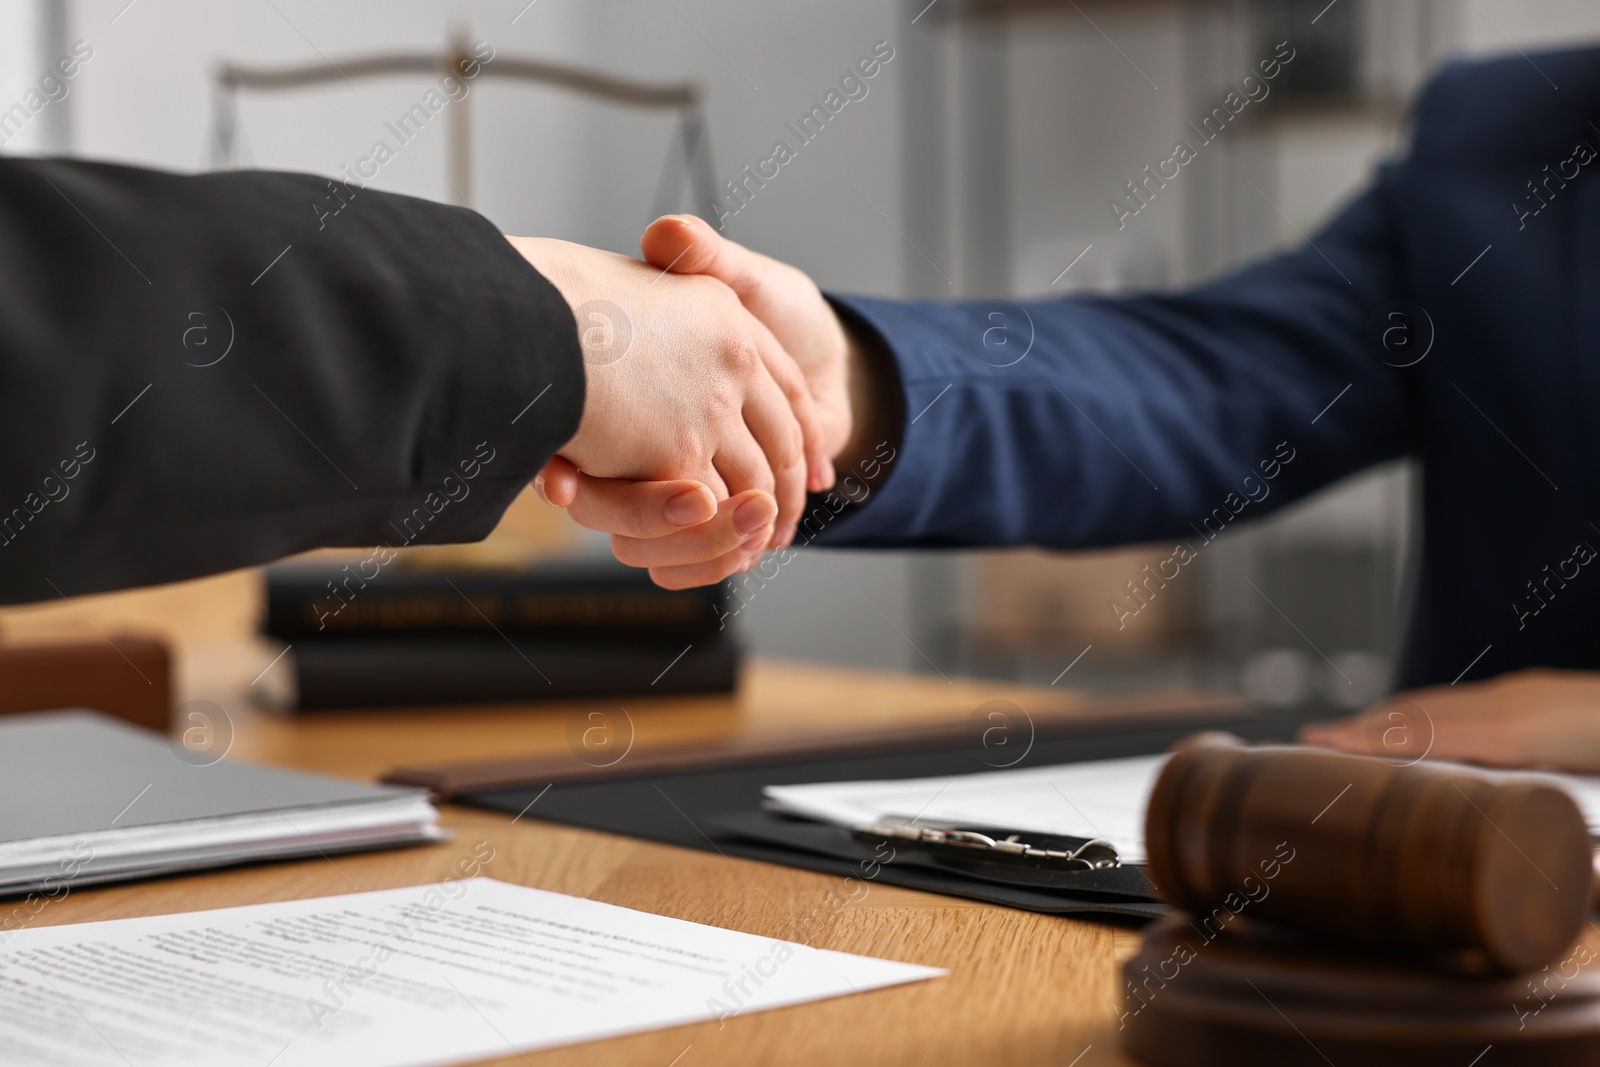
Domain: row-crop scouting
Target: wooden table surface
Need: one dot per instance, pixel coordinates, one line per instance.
(1022, 989)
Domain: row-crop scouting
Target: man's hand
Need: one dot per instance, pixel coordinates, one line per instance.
(845, 388)
(1531, 718)
(784, 298)
(701, 396)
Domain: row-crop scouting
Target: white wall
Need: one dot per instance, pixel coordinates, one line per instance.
(553, 165)
(31, 46)
(1500, 25)
(547, 163)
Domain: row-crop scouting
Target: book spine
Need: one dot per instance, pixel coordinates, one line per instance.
(388, 672)
(301, 609)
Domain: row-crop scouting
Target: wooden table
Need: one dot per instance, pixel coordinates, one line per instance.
(1022, 989)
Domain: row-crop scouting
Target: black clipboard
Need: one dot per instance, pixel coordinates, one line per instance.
(720, 809)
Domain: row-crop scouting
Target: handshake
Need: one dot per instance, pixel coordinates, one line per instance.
(720, 387)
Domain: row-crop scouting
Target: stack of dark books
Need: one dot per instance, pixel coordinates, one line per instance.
(564, 630)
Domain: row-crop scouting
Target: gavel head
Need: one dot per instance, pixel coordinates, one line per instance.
(1409, 857)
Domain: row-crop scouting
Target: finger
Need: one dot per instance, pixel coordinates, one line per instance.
(775, 439)
(641, 509)
(737, 520)
(557, 483)
(742, 464)
(737, 561)
(819, 474)
(685, 244)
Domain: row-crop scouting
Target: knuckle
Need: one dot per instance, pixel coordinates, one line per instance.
(788, 449)
(691, 448)
(794, 450)
(742, 355)
(724, 396)
(707, 546)
(792, 390)
(789, 378)
(641, 515)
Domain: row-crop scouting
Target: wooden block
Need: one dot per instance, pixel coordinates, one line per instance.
(129, 677)
(1249, 997)
(1345, 910)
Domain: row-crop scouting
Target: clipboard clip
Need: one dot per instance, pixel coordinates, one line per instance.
(1052, 851)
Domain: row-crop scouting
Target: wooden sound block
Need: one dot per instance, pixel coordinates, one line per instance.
(1252, 997)
(131, 678)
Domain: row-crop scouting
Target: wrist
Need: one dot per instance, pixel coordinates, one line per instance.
(872, 385)
(554, 260)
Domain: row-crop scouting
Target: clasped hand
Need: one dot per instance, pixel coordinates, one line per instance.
(739, 387)
(711, 407)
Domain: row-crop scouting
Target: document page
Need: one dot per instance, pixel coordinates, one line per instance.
(435, 974)
(1097, 798)
(1101, 798)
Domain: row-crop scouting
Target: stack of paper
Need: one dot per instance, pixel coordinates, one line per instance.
(86, 798)
(1100, 798)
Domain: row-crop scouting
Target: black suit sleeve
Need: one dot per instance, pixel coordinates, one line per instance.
(203, 373)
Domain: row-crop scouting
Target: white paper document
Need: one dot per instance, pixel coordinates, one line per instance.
(1098, 798)
(440, 974)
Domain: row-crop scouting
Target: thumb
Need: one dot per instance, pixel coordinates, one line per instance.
(557, 482)
(685, 244)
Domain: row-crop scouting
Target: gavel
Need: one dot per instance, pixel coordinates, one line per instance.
(1412, 857)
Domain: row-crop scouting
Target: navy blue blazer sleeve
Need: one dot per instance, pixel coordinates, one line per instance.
(1137, 418)
(207, 372)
